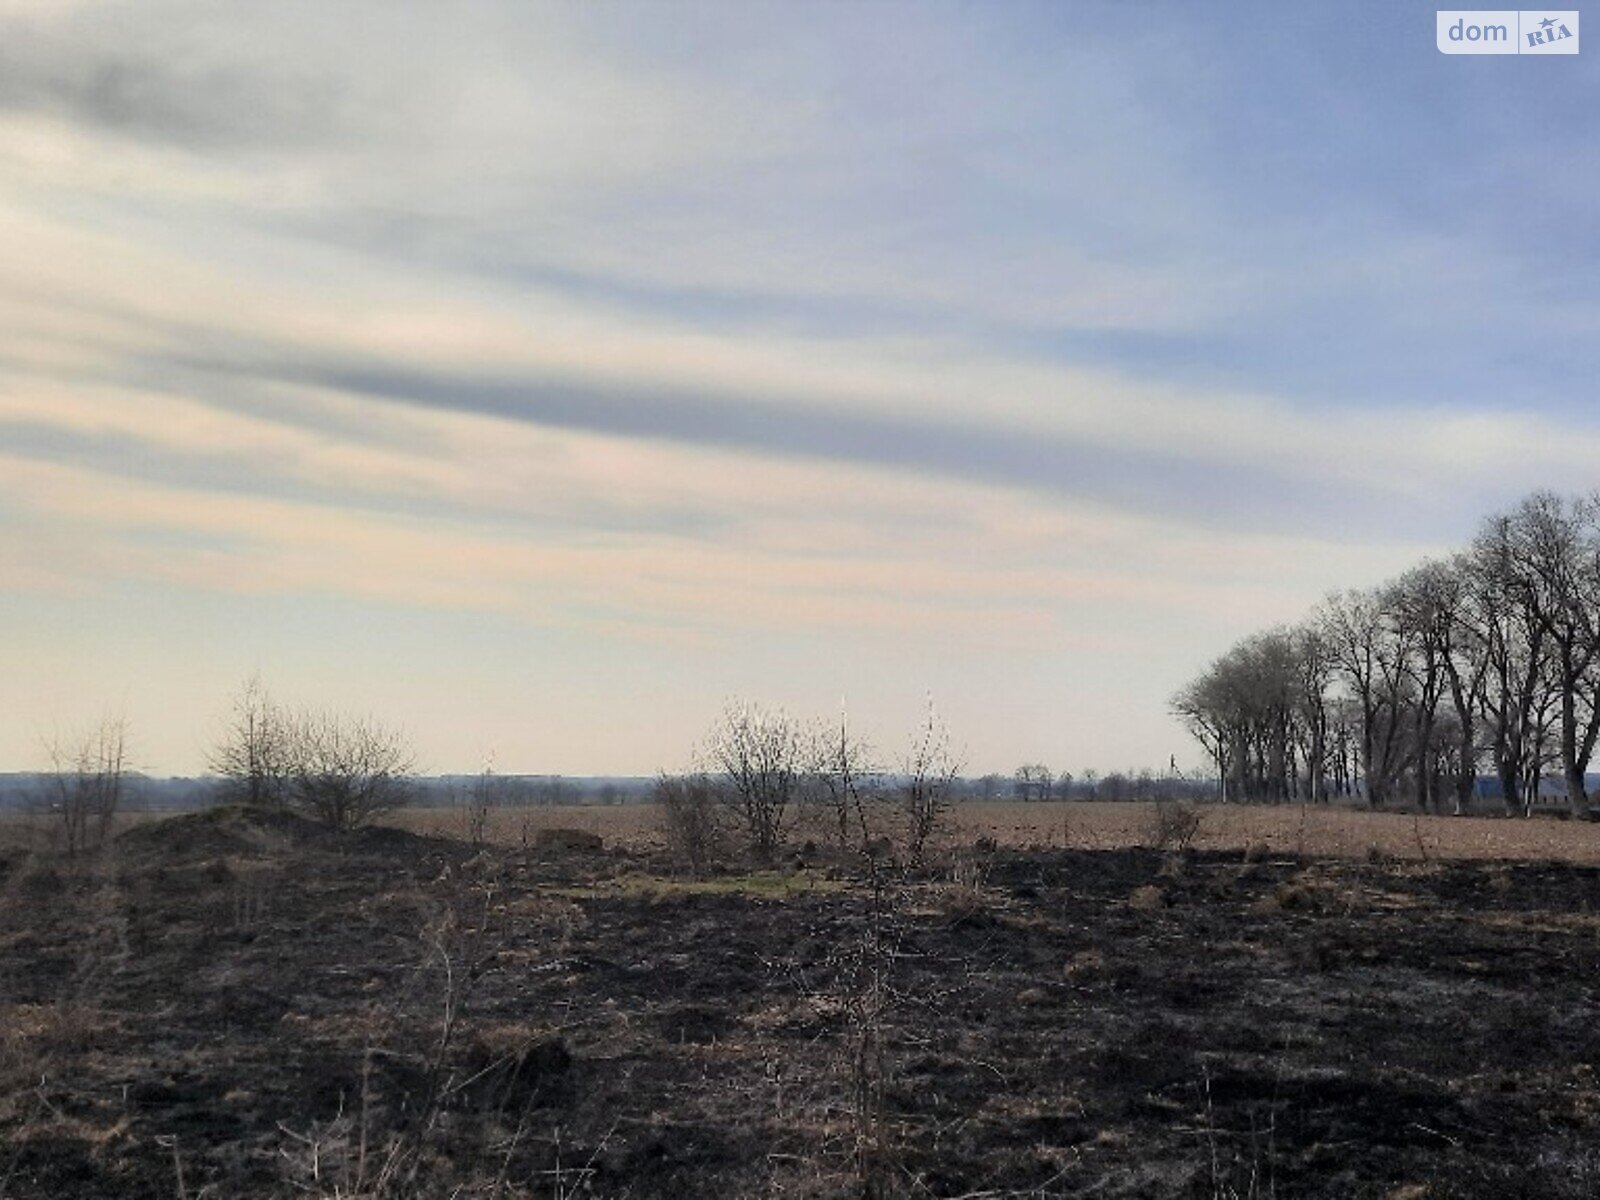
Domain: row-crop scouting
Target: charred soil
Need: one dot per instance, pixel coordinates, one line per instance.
(227, 1005)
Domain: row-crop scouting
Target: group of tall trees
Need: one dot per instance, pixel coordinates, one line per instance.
(1485, 663)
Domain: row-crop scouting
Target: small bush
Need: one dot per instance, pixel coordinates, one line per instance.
(1173, 825)
(691, 819)
(565, 838)
(1148, 898)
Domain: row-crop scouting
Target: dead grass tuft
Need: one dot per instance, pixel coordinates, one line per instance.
(1173, 825)
(1148, 898)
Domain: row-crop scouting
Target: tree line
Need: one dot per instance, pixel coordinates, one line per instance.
(1484, 663)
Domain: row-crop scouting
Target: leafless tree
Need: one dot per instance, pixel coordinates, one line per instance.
(87, 783)
(1033, 781)
(1370, 656)
(1313, 714)
(1247, 711)
(347, 770)
(846, 782)
(253, 757)
(1490, 658)
(1507, 642)
(758, 756)
(1425, 605)
(1552, 568)
(928, 783)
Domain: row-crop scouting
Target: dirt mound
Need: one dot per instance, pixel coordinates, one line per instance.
(232, 830)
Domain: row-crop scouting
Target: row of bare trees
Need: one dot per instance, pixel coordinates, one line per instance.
(338, 769)
(1487, 662)
(769, 771)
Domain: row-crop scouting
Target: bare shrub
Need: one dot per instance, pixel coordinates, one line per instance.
(846, 783)
(253, 758)
(85, 788)
(758, 754)
(1172, 825)
(928, 783)
(348, 770)
(869, 997)
(567, 838)
(486, 792)
(691, 819)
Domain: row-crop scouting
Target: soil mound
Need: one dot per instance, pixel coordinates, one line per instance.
(234, 830)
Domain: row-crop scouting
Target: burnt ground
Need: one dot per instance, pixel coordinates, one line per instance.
(223, 1007)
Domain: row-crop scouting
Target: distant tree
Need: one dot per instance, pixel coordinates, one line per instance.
(1247, 711)
(1407, 691)
(550, 790)
(1033, 781)
(87, 782)
(1551, 567)
(1370, 654)
(1116, 786)
(1507, 643)
(845, 779)
(928, 782)
(488, 791)
(253, 757)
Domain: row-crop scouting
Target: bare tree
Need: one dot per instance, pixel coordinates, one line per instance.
(1313, 715)
(1245, 710)
(1033, 781)
(87, 781)
(347, 770)
(253, 757)
(485, 792)
(1489, 658)
(759, 757)
(1425, 605)
(846, 781)
(1371, 659)
(929, 778)
(1509, 643)
(1552, 568)
(1205, 707)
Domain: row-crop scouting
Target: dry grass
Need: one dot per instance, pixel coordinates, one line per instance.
(1262, 831)
(1293, 829)
(634, 825)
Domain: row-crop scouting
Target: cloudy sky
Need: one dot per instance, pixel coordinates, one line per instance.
(539, 378)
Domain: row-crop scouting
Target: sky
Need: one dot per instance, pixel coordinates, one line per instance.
(541, 379)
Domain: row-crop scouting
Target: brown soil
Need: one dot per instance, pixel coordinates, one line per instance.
(225, 1006)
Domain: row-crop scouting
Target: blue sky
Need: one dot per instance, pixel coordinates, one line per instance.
(539, 377)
